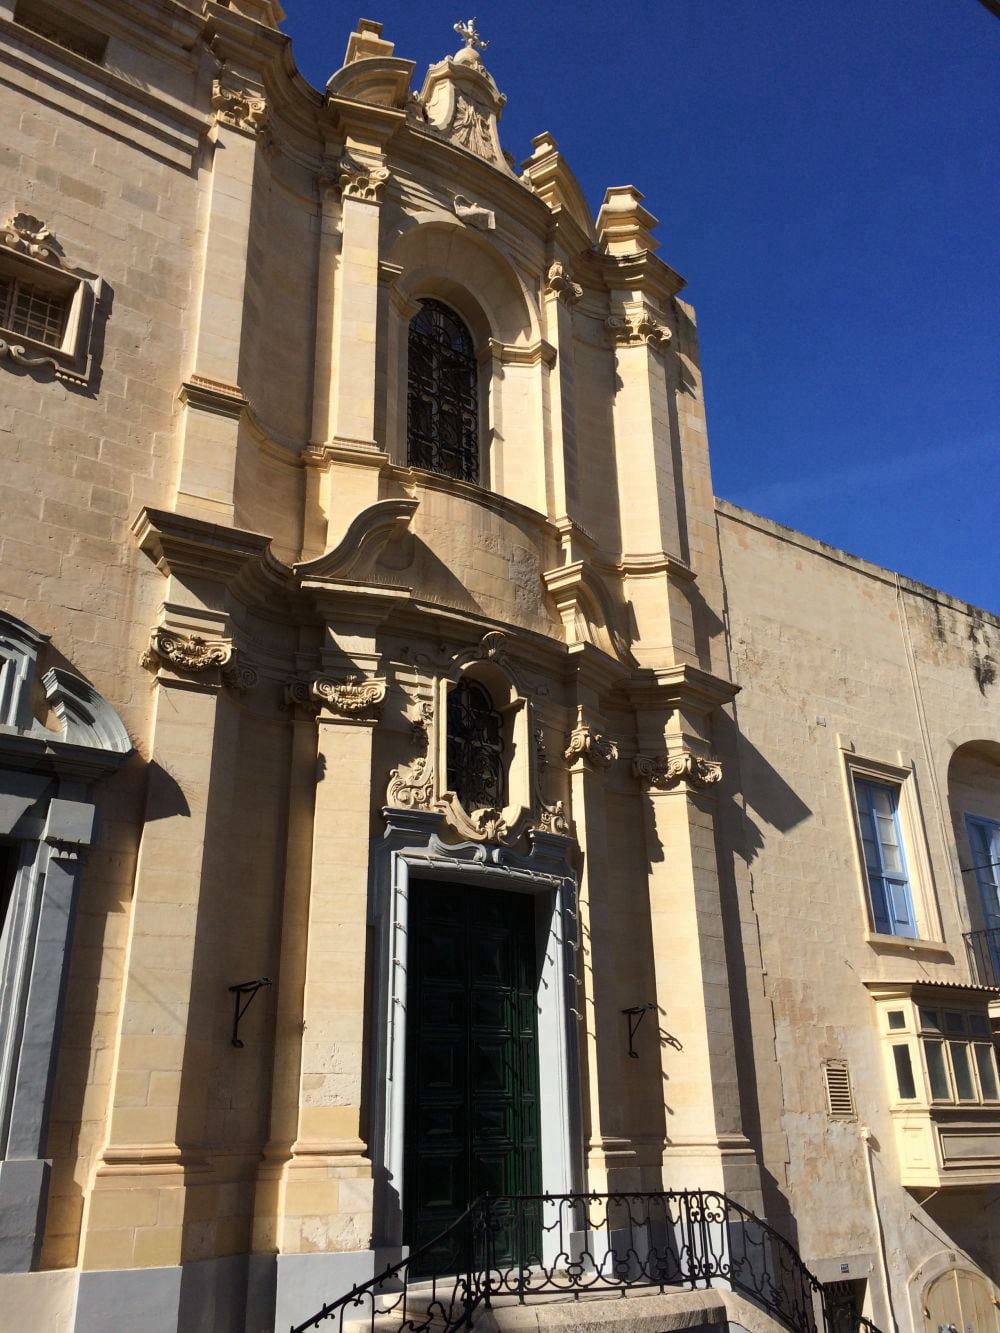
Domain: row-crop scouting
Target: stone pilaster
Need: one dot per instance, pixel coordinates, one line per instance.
(316, 1191)
(212, 395)
(589, 754)
(134, 1215)
(559, 294)
(706, 1147)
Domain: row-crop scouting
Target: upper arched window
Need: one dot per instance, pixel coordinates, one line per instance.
(475, 747)
(442, 394)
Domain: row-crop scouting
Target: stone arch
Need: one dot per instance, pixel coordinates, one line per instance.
(947, 1289)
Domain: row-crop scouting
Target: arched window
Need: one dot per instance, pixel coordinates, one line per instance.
(442, 394)
(475, 748)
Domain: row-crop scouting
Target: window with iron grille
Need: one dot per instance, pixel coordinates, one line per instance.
(442, 394)
(839, 1093)
(475, 747)
(32, 311)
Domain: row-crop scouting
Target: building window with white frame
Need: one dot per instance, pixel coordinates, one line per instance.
(890, 897)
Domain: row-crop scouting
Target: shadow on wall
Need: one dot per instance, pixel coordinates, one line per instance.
(763, 789)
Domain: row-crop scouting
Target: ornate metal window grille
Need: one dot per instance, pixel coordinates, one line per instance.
(475, 747)
(443, 396)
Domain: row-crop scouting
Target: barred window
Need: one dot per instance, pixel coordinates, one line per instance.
(475, 747)
(442, 394)
(32, 311)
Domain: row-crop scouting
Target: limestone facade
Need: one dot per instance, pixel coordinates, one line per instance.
(234, 620)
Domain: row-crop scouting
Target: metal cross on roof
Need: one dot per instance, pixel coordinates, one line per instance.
(467, 31)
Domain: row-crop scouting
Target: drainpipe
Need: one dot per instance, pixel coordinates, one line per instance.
(866, 1139)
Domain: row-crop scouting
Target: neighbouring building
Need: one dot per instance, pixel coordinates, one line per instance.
(413, 781)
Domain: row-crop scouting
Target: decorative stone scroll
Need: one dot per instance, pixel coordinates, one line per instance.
(559, 280)
(237, 105)
(411, 786)
(667, 771)
(638, 326)
(361, 180)
(590, 745)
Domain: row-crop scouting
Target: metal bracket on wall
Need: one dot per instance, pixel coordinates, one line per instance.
(635, 1016)
(249, 989)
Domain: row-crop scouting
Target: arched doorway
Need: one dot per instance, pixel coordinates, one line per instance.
(960, 1301)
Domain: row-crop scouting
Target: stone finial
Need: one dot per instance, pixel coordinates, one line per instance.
(624, 227)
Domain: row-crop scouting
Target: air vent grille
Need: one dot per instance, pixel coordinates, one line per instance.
(839, 1093)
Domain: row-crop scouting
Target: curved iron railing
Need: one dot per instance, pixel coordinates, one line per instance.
(575, 1244)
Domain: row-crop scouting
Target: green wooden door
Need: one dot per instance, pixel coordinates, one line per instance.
(472, 1122)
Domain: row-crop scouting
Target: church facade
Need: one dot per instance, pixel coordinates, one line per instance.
(414, 783)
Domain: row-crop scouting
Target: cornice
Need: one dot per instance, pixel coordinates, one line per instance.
(680, 686)
(642, 272)
(179, 544)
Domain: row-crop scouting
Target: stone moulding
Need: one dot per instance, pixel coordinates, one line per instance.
(590, 745)
(667, 771)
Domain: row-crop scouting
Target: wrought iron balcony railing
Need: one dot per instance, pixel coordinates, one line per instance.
(983, 948)
(517, 1247)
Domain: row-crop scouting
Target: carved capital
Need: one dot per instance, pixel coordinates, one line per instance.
(587, 744)
(355, 697)
(638, 326)
(559, 280)
(361, 180)
(237, 105)
(187, 653)
(191, 654)
(667, 771)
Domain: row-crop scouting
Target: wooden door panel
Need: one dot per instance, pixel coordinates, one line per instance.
(472, 1103)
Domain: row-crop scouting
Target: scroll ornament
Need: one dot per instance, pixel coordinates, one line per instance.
(667, 771)
(411, 786)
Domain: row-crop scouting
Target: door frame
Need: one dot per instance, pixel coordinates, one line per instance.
(410, 850)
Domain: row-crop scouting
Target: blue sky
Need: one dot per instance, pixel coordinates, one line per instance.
(827, 179)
